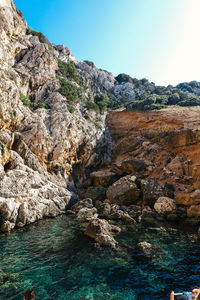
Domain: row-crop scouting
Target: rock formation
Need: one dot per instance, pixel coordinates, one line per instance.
(57, 141)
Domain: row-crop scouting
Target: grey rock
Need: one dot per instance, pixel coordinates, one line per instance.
(85, 203)
(102, 232)
(86, 214)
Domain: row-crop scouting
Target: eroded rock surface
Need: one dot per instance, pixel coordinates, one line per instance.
(102, 232)
(167, 142)
(124, 191)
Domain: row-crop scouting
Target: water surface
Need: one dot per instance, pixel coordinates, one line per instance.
(59, 262)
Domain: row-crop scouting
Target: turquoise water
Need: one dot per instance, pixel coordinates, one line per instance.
(55, 259)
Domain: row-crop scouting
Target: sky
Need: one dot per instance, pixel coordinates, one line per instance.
(154, 39)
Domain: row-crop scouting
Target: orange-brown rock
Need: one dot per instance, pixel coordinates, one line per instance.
(103, 177)
(167, 141)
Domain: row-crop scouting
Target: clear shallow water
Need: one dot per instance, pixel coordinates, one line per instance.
(55, 259)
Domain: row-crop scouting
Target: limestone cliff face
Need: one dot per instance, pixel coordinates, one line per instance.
(40, 139)
(168, 143)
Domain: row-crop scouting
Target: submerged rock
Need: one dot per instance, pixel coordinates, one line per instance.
(147, 248)
(102, 232)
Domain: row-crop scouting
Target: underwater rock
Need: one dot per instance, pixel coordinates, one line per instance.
(102, 232)
(147, 248)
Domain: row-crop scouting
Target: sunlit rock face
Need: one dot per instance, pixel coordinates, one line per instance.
(41, 141)
(168, 142)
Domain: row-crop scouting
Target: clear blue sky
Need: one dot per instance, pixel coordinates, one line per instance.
(154, 39)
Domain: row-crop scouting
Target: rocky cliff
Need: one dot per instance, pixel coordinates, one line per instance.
(167, 144)
(55, 139)
(40, 138)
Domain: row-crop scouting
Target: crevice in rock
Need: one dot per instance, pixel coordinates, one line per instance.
(8, 166)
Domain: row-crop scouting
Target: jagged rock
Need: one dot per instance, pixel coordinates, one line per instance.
(135, 211)
(130, 166)
(86, 214)
(85, 203)
(26, 196)
(124, 191)
(121, 215)
(38, 64)
(151, 191)
(103, 177)
(96, 193)
(165, 206)
(104, 209)
(102, 232)
(147, 248)
(149, 216)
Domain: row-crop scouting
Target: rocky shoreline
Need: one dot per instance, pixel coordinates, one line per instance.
(102, 219)
(58, 144)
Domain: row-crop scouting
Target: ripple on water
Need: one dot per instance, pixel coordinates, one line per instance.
(59, 262)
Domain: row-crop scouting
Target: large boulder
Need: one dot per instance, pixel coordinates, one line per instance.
(124, 191)
(96, 193)
(151, 191)
(103, 177)
(165, 206)
(102, 232)
(130, 166)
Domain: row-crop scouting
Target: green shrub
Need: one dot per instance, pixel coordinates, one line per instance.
(92, 106)
(71, 108)
(124, 78)
(102, 100)
(68, 70)
(90, 63)
(27, 102)
(42, 38)
(69, 90)
(12, 113)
